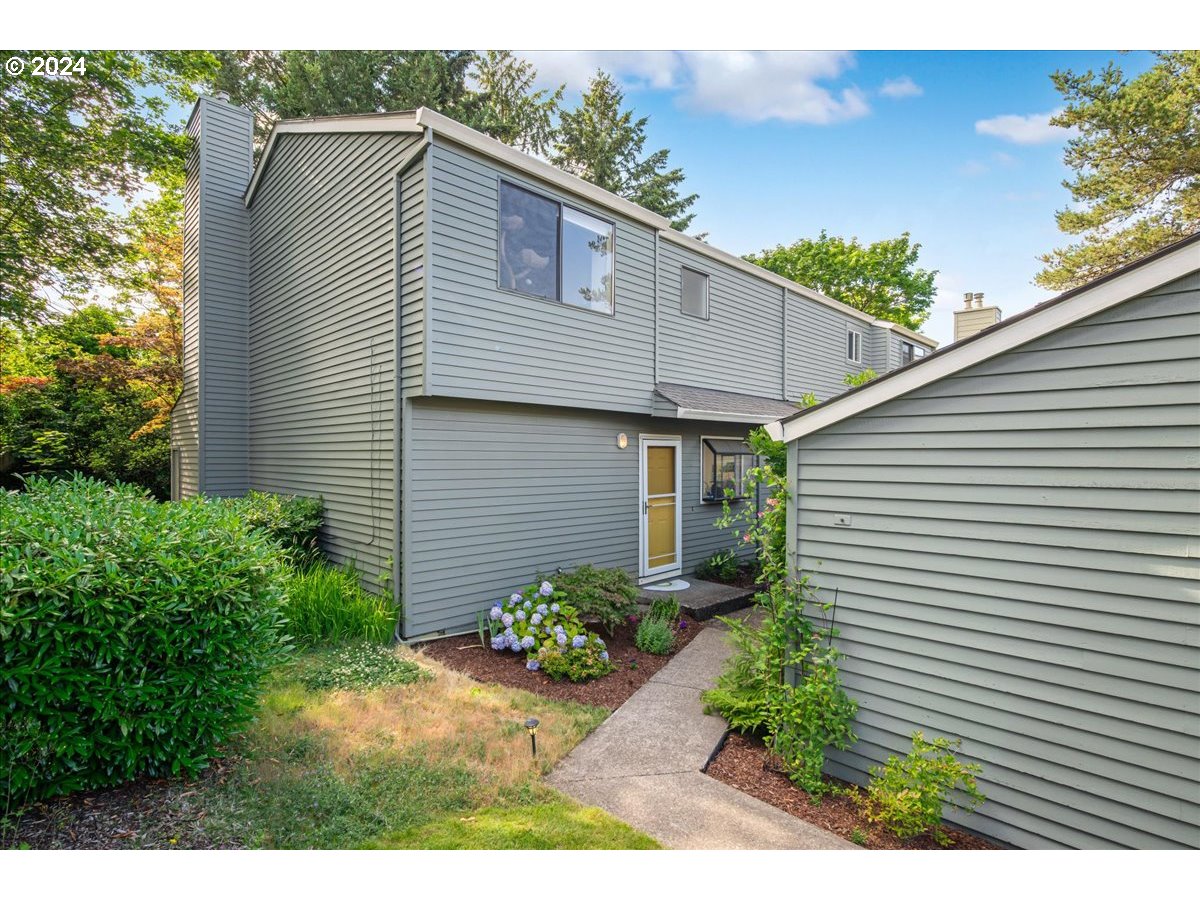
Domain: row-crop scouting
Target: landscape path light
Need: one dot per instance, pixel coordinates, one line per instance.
(531, 725)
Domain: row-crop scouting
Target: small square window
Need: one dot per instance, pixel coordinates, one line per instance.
(854, 346)
(694, 293)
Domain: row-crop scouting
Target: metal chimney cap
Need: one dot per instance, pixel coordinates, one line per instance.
(223, 96)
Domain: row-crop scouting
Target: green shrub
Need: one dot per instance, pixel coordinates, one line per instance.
(607, 595)
(722, 566)
(325, 604)
(292, 521)
(907, 795)
(655, 636)
(576, 663)
(664, 608)
(358, 667)
(134, 633)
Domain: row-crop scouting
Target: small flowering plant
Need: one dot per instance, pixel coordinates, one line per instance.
(538, 622)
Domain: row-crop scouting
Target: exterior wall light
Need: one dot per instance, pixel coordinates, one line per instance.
(531, 725)
(622, 440)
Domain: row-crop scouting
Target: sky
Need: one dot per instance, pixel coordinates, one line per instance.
(953, 147)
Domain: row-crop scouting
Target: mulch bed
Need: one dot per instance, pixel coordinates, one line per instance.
(743, 763)
(147, 814)
(634, 667)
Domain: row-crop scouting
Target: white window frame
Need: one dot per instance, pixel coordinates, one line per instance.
(707, 293)
(854, 339)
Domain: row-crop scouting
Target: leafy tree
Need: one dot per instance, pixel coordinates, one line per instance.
(1136, 159)
(70, 143)
(881, 279)
(510, 108)
(603, 143)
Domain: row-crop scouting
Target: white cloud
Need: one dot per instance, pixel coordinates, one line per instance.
(752, 86)
(899, 88)
(1031, 129)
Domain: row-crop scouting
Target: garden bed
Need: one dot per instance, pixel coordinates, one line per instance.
(634, 667)
(743, 763)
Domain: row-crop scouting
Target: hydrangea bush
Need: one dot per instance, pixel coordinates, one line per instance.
(541, 624)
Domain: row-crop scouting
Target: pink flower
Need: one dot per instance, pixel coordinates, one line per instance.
(761, 514)
(747, 538)
(772, 501)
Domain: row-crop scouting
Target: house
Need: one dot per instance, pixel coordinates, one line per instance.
(1011, 530)
(488, 368)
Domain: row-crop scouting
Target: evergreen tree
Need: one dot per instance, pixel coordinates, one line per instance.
(603, 143)
(1137, 166)
(510, 109)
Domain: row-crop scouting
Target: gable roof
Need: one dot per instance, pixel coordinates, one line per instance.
(426, 121)
(1166, 265)
(705, 403)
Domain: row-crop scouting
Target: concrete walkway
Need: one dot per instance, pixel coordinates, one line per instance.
(643, 766)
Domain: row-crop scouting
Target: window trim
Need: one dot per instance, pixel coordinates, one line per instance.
(916, 351)
(718, 437)
(501, 180)
(707, 293)
(855, 337)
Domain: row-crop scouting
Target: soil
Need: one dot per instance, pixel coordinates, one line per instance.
(147, 814)
(634, 668)
(745, 578)
(744, 763)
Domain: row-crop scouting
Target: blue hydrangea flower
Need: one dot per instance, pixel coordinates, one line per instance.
(604, 655)
(599, 643)
(546, 589)
(508, 632)
(507, 619)
(515, 598)
(527, 642)
(562, 639)
(578, 641)
(499, 642)
(535, 619)
(529, 604)
(554, 607)
(496, 612)
(533, 665)
(559, 629)
(520, 614)
(516, 647)
(543, 609)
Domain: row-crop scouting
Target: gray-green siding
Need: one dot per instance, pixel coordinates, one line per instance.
(816, 342)
(497, 493)
(1022, 570)
(323, 294)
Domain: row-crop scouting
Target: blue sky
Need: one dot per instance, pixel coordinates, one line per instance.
(781, 145)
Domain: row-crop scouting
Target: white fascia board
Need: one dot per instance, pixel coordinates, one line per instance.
(712, 416)
(904, 332)
(403, 123)
(1051, 317)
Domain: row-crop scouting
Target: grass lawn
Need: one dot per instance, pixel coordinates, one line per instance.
(398, 757)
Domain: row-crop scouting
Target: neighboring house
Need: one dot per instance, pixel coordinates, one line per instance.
(488, 368)
(1011, 530)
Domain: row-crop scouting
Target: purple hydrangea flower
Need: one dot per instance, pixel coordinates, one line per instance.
(499, 642)
(559, 629)
(514, 598)
(508, 632)
(533, 665)
(507, 619)
(562, 639)
(546, 589)
(578, 641)
(496, 612)
(604, 655)
(520, 614)
(527, 642)
(554, 607)
(535, 619)
(529, 604)
(543, 609)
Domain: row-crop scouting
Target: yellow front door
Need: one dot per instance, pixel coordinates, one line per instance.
(660, 506)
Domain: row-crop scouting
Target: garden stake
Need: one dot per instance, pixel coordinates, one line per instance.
(531, 725)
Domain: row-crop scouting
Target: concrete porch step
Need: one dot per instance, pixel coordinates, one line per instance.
(703, 599)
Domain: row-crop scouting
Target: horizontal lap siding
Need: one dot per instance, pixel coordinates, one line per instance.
(322, 322)
(185, 417)
(491, 344)
(498, 493)
(740, 346)
(816, 345)
(412, 280)
(1022, 570)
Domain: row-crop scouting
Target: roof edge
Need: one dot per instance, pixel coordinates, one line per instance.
(1168, 264)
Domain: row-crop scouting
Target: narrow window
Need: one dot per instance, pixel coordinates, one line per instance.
(528, 242)
(910, 352)
(587, 261)
(694, 293)
(854, 346)
(724, 463)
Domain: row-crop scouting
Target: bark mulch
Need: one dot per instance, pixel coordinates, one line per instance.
(147, 814)
(634, 668)
(743, 763)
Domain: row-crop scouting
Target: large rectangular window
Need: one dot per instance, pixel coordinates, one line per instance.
(854, 345)
(693, 293)
(724, 463)
(553, 251)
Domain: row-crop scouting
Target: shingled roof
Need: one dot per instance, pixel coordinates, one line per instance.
(704, 403)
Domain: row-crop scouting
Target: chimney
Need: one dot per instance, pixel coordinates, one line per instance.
(974, 316)
(210, 428)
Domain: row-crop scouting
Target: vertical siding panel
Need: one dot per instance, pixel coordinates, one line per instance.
(1021, 572)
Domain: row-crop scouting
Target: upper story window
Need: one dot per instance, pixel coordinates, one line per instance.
(550, 250)
(910, 351)
(854, 345)
(693, 292)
